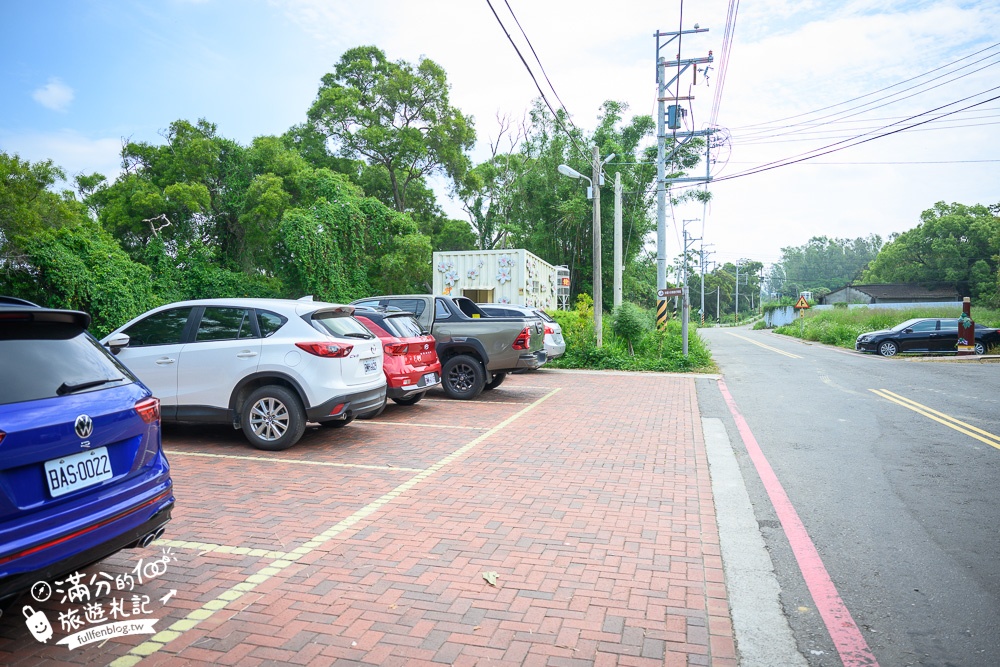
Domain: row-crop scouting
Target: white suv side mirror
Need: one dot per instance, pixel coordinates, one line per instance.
(117, 342)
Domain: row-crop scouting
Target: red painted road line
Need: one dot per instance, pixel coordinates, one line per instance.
(847, 638)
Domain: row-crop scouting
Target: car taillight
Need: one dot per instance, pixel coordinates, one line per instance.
(549, 330)
(2, 434)
(148, 409)
(329, 350)
(397, 349)
(523, 341)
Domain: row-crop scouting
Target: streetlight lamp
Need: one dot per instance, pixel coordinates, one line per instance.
(594, 193)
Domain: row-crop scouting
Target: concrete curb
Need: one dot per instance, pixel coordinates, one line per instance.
(763, 636)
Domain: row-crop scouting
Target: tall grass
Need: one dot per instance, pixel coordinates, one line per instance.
(841, 327)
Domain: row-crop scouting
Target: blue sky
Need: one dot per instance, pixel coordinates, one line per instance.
(81, 75)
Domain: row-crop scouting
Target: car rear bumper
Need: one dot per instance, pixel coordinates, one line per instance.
(527, 362)
(348, 405)
(117, 533)
(422, 383)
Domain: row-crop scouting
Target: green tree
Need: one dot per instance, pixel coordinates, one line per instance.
(552, 216)
(490, 190)
(822, 264)
(954, 245)
(449, 235)
(83, 268)
(394, 115)
(27, 206)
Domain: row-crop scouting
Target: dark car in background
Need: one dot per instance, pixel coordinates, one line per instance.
(932, 335)
(82, 470)
(410, 360)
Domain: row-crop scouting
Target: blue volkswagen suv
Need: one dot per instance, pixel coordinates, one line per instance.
(82, 470)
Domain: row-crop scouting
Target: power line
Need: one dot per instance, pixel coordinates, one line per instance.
(876, 92)
(569, 116)
(535, 80)
(811, 124)
(899, 162)
(727, 45)
(837, 146)
(849, 136)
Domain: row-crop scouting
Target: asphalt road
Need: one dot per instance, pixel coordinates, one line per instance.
(903, 508)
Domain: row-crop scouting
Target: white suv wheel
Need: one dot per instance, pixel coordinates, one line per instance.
(272, 418)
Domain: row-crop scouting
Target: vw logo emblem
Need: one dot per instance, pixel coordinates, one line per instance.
(84, 426)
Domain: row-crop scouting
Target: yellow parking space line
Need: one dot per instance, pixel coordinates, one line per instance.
(207, 610)
(461, 428)
(968, 429)
(766, 347)
(204, 548)
(278, 459)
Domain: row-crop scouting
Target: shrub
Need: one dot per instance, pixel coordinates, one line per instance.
(651, 349)
(627, 323)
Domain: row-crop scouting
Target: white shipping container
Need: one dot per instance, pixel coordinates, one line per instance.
(496, 276)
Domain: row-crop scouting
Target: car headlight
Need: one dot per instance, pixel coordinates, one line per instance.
(864, 338)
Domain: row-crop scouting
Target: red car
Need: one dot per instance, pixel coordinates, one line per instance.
(410, 359)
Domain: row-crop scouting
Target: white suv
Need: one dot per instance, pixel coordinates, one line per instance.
(263, 365)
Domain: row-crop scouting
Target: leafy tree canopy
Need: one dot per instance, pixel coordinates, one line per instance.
(822, 264)
(395, 115)
(954, 244)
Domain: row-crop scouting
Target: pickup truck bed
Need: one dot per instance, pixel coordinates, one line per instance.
(476, 350)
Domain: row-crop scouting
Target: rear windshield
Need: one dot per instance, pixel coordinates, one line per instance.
(341, 325)
(48, 360)
(403, 326)
(545, 316)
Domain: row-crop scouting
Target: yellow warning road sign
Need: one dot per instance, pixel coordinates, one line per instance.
(802, 303)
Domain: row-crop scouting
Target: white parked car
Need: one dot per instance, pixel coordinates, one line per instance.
(555, 346)
(266, 366)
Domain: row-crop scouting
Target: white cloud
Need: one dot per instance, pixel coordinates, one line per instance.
(70, 150)
(54, 95)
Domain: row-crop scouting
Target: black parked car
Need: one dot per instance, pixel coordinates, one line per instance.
(925, 334)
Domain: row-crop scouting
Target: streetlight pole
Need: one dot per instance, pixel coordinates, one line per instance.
(598, 286)
(595, 187)
(617, 293)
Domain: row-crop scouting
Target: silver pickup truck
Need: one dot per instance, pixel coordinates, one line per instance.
(476, 350)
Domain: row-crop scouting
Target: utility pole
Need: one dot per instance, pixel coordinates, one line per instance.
(676, 113)
(703, 279)
(618, 240)
(686, 302)
(738, 290)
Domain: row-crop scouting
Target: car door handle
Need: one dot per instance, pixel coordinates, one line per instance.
(246, 354)
(165, 361)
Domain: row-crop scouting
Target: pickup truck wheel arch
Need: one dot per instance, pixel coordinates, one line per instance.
(463, 377)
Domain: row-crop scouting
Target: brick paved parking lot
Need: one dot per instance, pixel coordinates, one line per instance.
(587, 494)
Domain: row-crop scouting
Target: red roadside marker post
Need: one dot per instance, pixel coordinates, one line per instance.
(966, 330)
